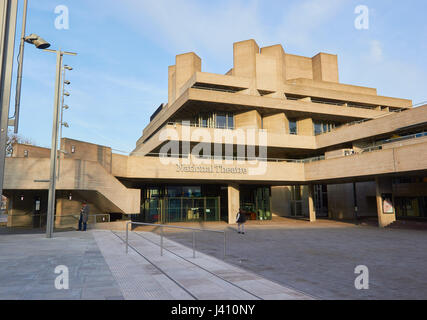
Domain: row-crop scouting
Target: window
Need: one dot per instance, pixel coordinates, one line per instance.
(230, 121)
(221, 121)
(317, 128)
(323, 127)
(293, 126)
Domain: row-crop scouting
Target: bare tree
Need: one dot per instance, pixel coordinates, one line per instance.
(15, 138)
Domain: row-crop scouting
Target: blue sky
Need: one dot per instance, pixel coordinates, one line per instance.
(126, 46)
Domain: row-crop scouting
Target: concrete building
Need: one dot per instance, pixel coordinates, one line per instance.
(278, 134)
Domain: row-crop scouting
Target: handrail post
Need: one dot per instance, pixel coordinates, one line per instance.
(161, 241)
(127, 237)
(225, 245)
(194, 244)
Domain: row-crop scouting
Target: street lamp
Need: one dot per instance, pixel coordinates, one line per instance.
(38, 41)
(63, 107)
(54, 148)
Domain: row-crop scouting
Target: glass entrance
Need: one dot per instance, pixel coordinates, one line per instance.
(255, 202)
(178, 204)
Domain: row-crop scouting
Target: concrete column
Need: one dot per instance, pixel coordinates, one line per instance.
(384, 188)
(233, 203)
(305, 127)
(311, 206)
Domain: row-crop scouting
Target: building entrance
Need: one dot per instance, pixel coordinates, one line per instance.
(168, 204)
(255, 202)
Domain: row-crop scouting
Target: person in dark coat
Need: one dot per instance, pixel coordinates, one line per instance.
(84, 216)
(241, 220)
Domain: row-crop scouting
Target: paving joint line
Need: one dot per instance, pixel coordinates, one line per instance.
(158, 268)
(212, 273)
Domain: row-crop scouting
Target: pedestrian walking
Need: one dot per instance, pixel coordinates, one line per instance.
(241, 220)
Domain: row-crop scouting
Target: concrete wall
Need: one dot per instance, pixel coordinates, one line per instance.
(341, 200)
(244, 56)
(248, 120)
(87, 151)
(75, 175)
(298, 67)
(281, 201)
(277, 123)
(33, 151)
(398, 160)
(278, 54)
(186, 65)
(325, 67)
(305, 127)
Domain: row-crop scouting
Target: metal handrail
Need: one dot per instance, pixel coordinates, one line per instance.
(173, 227)
(92, 215)
(197, 125)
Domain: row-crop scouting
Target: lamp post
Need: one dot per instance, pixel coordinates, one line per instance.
(40, 43)
(54, 146)
(63, 107)
(8, 14)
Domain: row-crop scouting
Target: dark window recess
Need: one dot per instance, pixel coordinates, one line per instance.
(293, 129)
(156, 112)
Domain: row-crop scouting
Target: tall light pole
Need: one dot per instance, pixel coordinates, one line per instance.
(20, 66)
(40, 44)
(54, 146)
(63, 107)
(8, 14)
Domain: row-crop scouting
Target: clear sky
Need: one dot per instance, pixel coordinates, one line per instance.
(126, 46)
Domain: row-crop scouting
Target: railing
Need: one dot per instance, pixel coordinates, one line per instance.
(77, 217)
(404, 138)
(161, 226)
(197, 125)
(39, 220)
(233, 158)
(218, 89)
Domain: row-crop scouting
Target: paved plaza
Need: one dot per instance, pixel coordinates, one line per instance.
(99, 268)
(320, 258)
(282, 260)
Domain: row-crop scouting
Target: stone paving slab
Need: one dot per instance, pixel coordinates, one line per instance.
(28, 263)
(208, 276)
(137, 278)
(321, 258)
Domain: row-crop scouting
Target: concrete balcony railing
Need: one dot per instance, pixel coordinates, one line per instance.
(79, 175)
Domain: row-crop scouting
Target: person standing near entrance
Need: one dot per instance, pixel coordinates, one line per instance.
(241, 220)
(84, 216)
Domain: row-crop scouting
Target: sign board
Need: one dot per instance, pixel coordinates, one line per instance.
(387, 200)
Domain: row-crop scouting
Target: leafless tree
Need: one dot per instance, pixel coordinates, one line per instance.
(15, 138)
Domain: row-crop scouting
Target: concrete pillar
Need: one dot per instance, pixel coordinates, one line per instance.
(305, 127)
(384, 194)
(279, 56)
(325, 67)
(171, 85)
(244, 55)
(311, 206)
(233, 203)
(186, 66)
(248, 120)
(277, 123)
